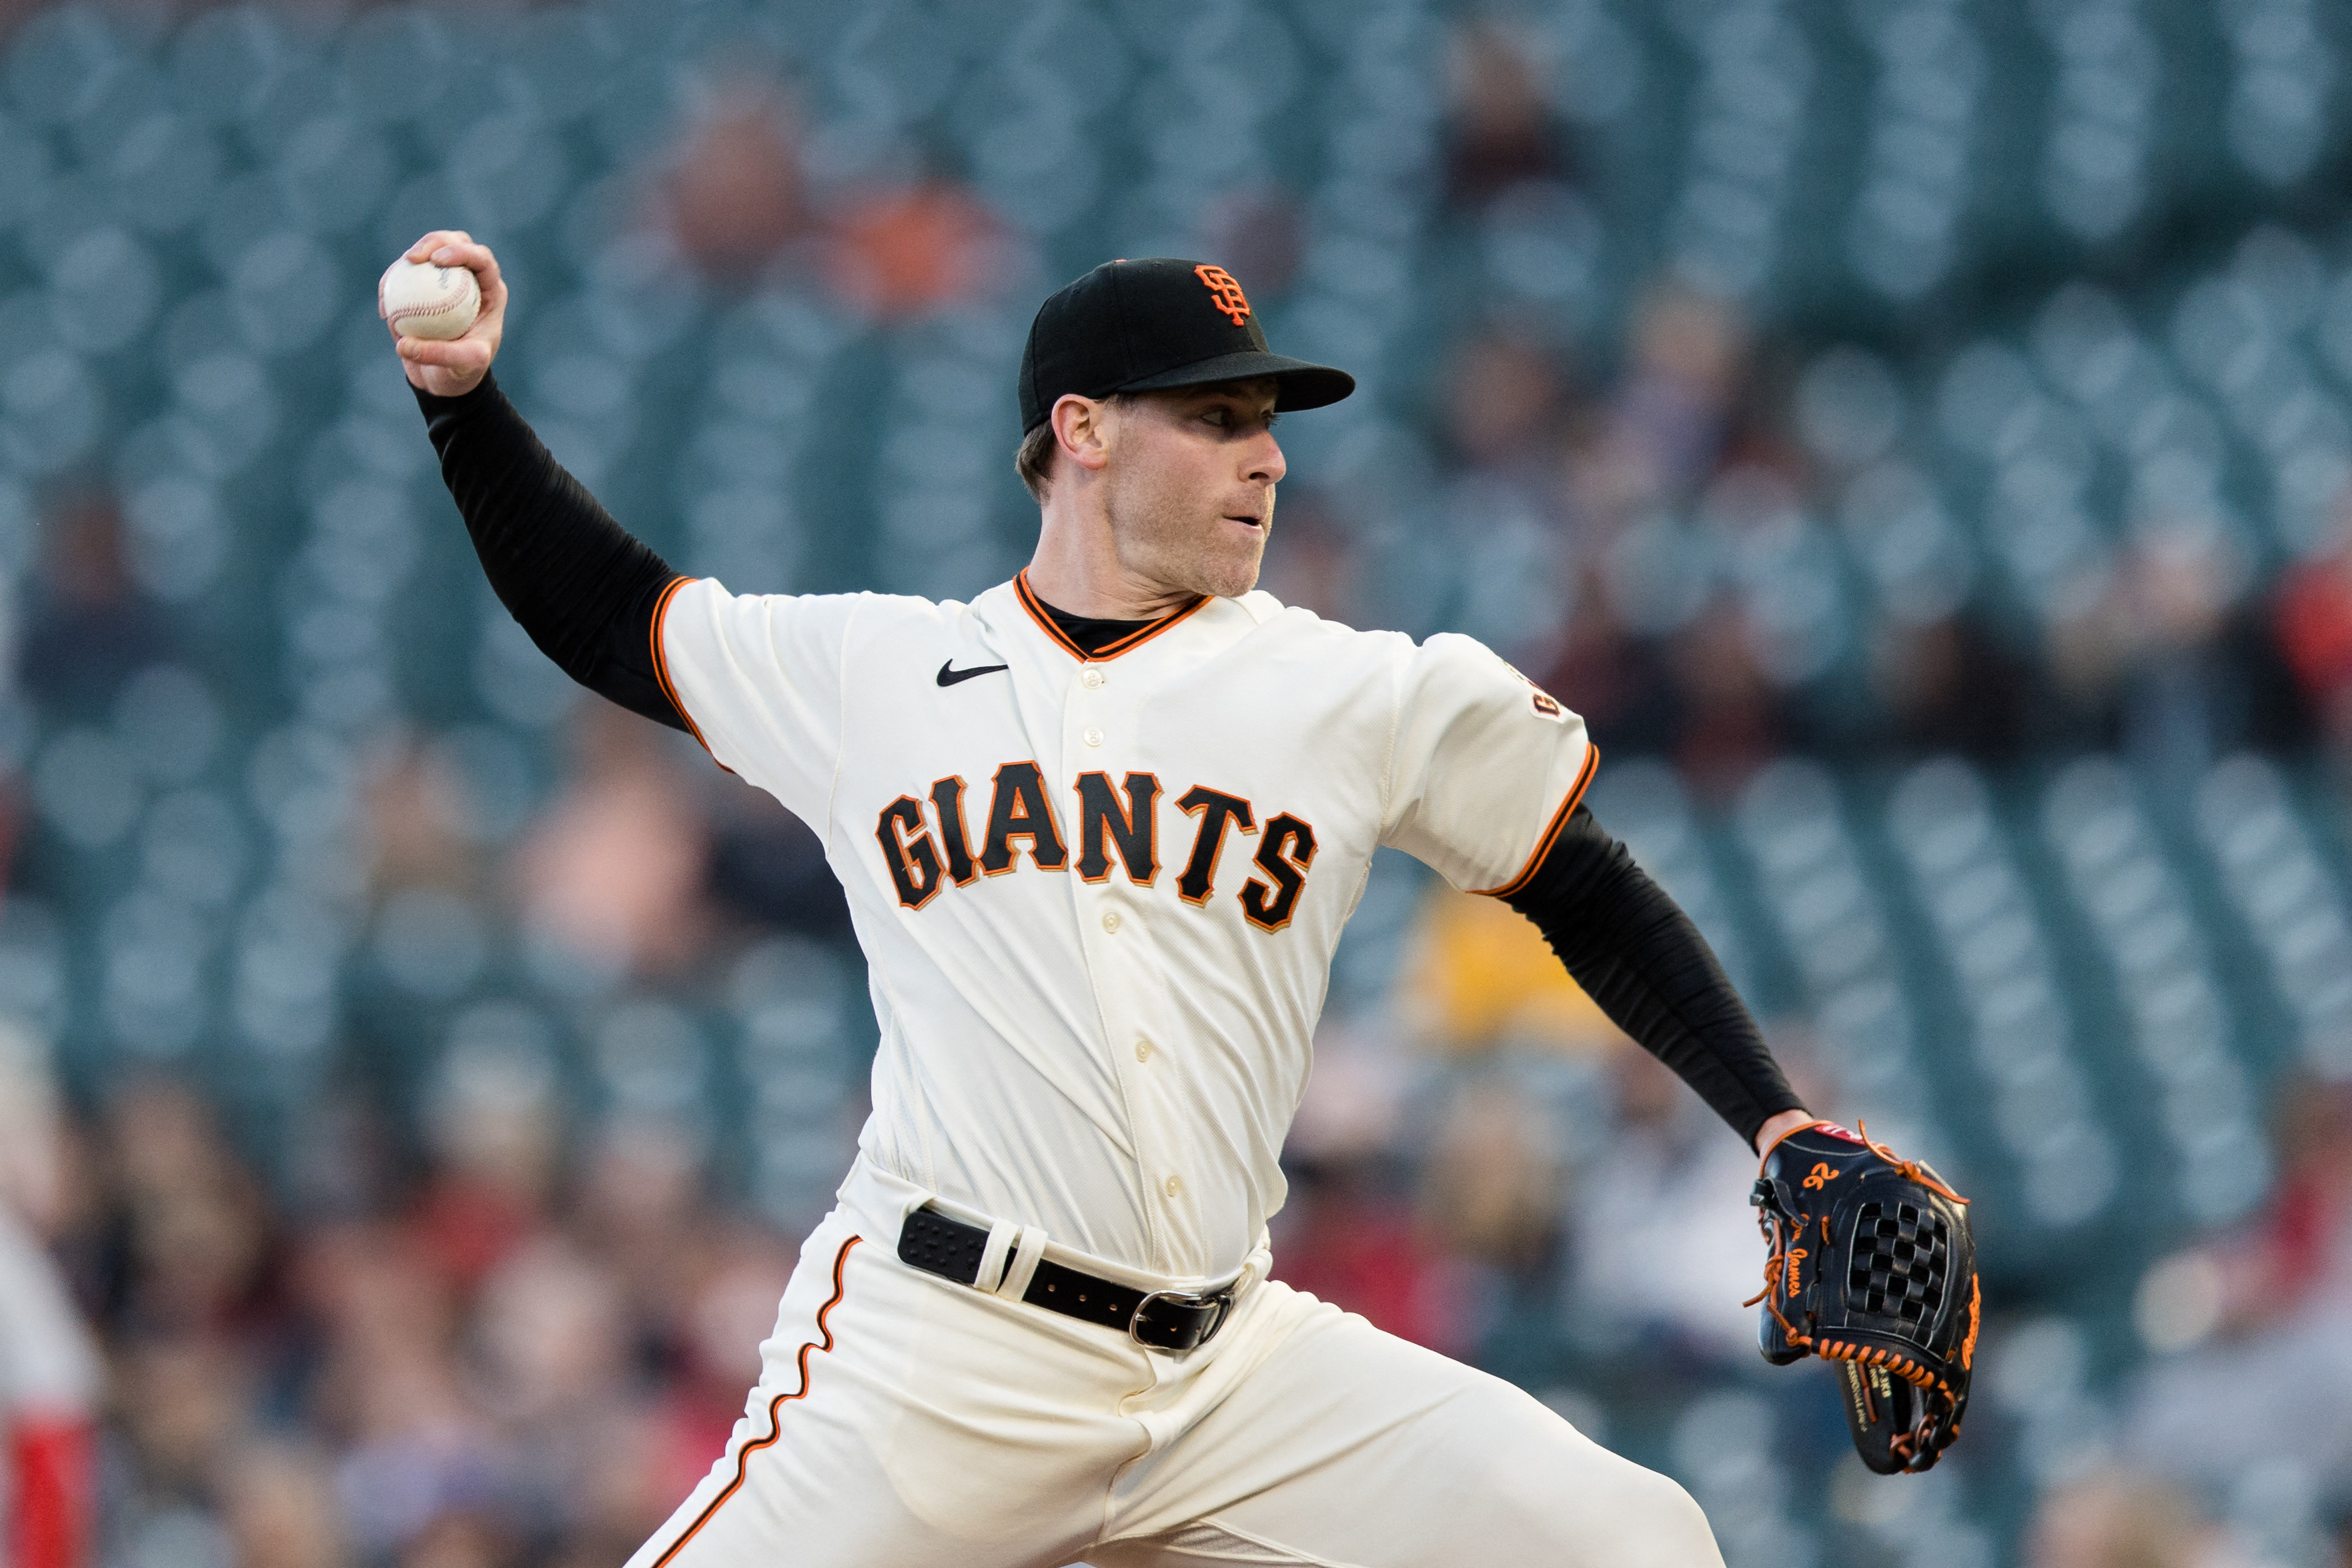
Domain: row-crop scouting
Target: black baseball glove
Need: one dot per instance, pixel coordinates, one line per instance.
(1872, 1267)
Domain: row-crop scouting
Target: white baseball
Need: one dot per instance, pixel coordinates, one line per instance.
(422, 300)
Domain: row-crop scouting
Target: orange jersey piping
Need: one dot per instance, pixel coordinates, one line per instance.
(775, 1406)
(1551, 834)
(661, 666)
(1135, 639)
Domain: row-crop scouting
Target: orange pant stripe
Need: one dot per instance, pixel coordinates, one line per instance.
(775, 1408)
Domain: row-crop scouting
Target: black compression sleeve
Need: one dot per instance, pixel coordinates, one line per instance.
(572, 577)
(1638, 956)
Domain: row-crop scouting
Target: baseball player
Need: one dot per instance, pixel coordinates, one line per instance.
(51, 1374)
(1099, 829)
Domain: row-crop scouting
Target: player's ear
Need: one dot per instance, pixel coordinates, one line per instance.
(1080, 429)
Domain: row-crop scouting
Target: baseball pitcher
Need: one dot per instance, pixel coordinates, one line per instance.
(1099, 828)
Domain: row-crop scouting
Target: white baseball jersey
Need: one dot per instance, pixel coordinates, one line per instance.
(48, 1367)
(1098, 896)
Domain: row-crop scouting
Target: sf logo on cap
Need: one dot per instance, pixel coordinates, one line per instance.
(1228, 293)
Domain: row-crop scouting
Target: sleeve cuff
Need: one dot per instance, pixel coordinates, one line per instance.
(484, 394)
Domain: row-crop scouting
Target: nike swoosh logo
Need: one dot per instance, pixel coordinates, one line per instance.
(948, 677)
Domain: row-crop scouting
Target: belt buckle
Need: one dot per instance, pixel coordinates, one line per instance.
(1221, 1304)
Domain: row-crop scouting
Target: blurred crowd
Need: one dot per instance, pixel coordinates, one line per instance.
(516, 1355)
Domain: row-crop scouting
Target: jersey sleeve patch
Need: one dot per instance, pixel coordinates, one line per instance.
(1545, 704)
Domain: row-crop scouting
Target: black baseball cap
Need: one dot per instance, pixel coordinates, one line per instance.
(1154, 324)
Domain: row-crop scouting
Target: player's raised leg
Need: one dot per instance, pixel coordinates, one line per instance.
(1347, 1445)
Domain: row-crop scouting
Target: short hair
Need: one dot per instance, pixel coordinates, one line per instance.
(1035, 461)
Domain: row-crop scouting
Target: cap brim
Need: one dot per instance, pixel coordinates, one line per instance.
(1298, 384)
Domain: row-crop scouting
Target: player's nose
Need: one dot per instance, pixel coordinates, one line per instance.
(1264, 462)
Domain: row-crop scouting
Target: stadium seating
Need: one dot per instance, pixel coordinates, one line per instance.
(2051, 276)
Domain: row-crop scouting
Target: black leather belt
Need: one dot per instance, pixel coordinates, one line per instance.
(1161, 1319)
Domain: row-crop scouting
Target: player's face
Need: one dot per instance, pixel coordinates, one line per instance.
(1190, 485)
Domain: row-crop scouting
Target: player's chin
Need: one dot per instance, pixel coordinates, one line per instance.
(1229, 575)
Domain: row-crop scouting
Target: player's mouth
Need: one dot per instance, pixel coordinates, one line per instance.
(1246, 520)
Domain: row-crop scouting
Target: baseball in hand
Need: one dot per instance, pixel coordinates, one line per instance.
(422, 300)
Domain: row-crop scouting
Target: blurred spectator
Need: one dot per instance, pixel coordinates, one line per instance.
(2087, 645)
(419, 1462)
(2165, 658)
(551, 1335)
(182, 1402)
(89, 628)
(415, 817)
(725, 1317)
(199, 1252)
(1665, 1247)
(1349, 1235)
(2272, 1378)
(642, 1207)
(2114, 1520)
(1948, 686)
(612, 873)
(2191, 679)
(1255, 234)
(730, 193)
(768, 867)
(902, 253)
(1500, 128)
(1505, 400)
(495, 1130)
(1477, 974)
(1505, 407)
(2311, 612)
(1727, 712)
(50, 1373)
(1670, 420)
(1491, 1184)
(461, 1537)
(1621, 685)
(2297, 1253)
(48, 1403)
(278, 1500)
(33, 1141)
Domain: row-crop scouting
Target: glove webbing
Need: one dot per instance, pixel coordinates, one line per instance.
(1785, 1260)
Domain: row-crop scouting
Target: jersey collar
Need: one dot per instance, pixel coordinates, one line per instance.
(1133, 640)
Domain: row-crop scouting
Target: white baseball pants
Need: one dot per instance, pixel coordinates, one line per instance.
(904, 1420)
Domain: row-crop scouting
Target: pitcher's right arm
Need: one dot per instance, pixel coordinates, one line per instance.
(588, 592)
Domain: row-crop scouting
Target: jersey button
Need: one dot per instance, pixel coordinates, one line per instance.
(1090, 678)
(1175, 1185)
(1094, 738)
(1143, 1049)
(1110, 921)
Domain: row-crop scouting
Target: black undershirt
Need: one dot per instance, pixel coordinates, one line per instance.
(1091, 632)
(587, 592)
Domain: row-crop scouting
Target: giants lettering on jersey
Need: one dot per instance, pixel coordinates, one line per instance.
(1118, 828)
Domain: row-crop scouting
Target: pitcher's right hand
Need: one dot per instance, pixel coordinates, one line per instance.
(456, 366)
